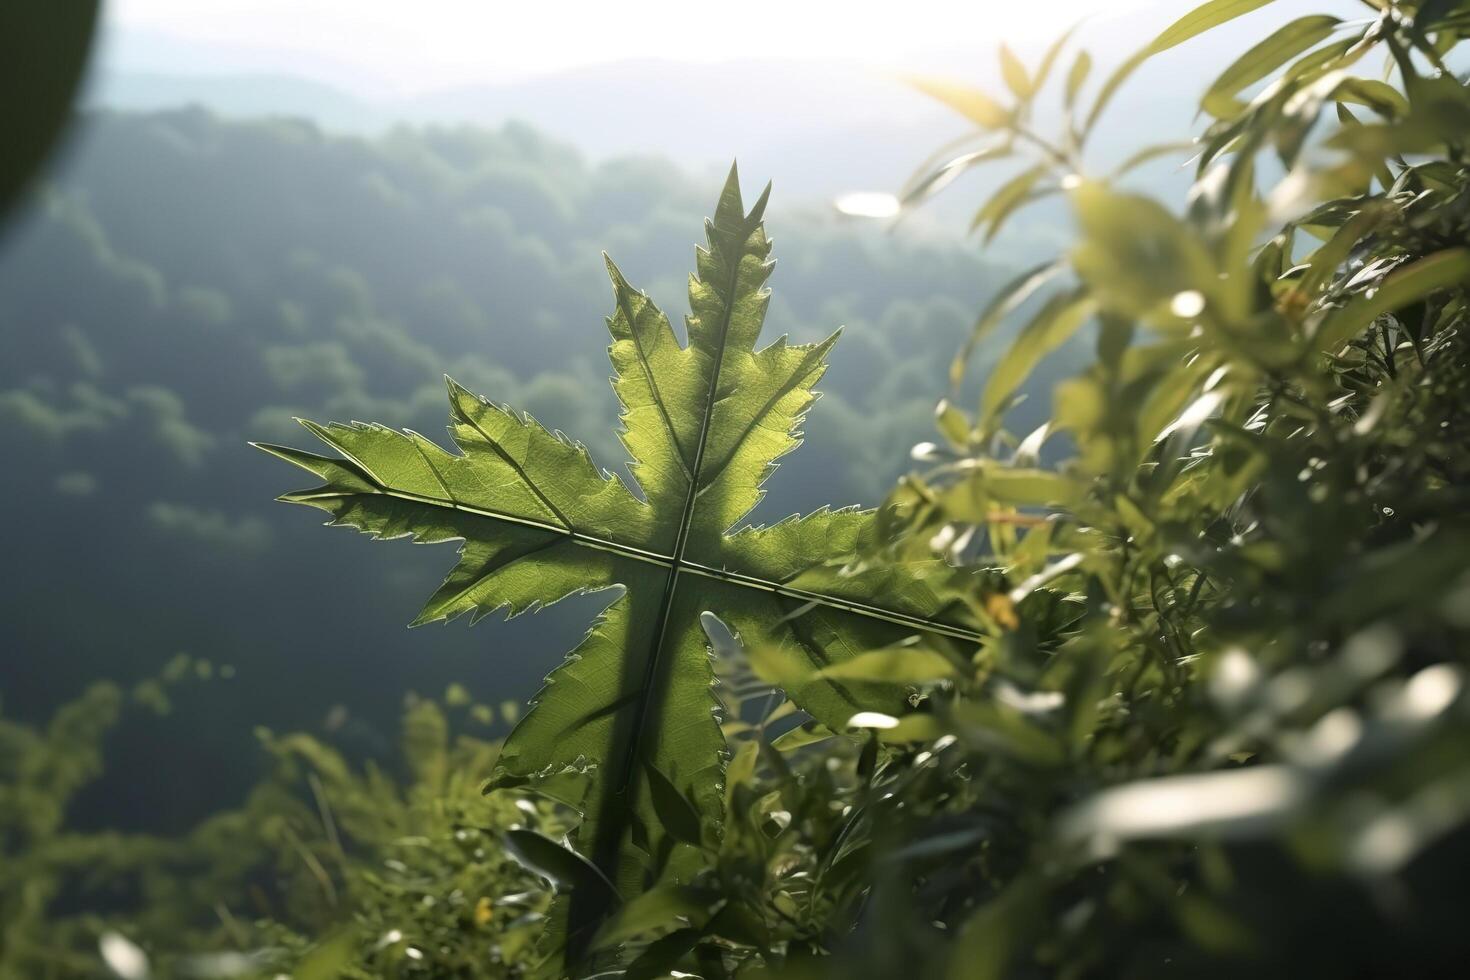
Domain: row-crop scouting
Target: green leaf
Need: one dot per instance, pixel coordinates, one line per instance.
(1005, 302)
(1052, 326)
(660, 957)
(1202, 18)
(1049, 60)
(1003, 203)
(329, 959)
(1014, 73)
(562, 866)
(902, 664)
(675, 812)
(935, 181)
(1136, 256)
(657, 910)
(969, 102)
(1284, 44)
(705, 423)
(1443, 270)
(1150, 153)
(1077, 77)
(1197, 21)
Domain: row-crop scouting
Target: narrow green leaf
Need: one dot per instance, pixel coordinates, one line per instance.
(662, 956)
(1136, 256)
(666, 907)
(1197, 21)
(1284, 44)
(1202, 18)
(904, 664)
(675, 812)
(1110, 87)
(935, 181)
(1150, 153)
(1005, 302)
(562, 866)
(1049, 60)
(1052, 326)
(969, 102)
(1077, 77)
(1443, 270)
(1014, 73)
(1327, 259)
(1011, 195)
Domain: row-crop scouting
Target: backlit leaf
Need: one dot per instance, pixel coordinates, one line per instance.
(633, 706)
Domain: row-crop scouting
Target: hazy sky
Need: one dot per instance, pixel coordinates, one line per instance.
(403, 45)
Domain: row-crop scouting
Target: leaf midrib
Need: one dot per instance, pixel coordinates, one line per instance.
(663, 561)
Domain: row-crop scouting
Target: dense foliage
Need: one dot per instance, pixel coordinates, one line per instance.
(626, 731)
(1213, 719)
(406, 850)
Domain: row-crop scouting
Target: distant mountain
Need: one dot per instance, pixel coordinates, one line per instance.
(816, 128)
(242, 96)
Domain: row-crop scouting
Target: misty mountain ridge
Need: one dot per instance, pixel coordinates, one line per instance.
(816, 128)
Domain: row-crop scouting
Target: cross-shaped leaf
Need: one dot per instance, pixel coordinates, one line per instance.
(626, 729)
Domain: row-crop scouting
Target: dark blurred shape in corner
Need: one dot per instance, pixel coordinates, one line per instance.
(43, 51)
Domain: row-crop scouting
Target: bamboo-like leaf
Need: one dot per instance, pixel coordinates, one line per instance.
(1003, 203)
(935, 181)
(1052, 326)
(1202, 18)
(1049, 60)
(969, 102)
(1006, 301)
(626, 729)
(1442, 270)
(1016, 77)
(1286, 43)
(1077, 77)
(1197, 21)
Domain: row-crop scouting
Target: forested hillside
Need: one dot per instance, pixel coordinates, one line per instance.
(184, 283)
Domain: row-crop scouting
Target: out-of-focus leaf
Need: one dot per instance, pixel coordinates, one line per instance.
(1220, 803)
(660, 958)
(44, 47)
(1053, 325)
(329, 959)
(984, 491)
(1077, 76)
(969, 102)
(1014, 73)
(1197, 21)
(1049, 60)
(666, 907)
(1286, 43)
(1381, 97)
(1011, 195)
(941, 178)
(905, 664)
(1150, 153)
(1136, 256)
(1202, 18)
(988, 943)
(1005, 302)
(952, 423)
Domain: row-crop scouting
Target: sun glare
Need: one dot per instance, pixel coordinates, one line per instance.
(436, 42)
